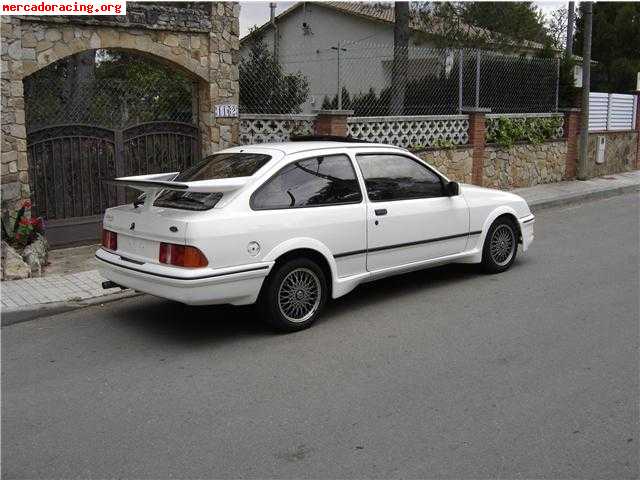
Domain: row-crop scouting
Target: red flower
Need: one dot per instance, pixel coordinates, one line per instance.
(24, 221)
(18, 235)
(26, 204)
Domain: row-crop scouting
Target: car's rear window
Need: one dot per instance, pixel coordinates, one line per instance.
(224, 165)
(221, 165)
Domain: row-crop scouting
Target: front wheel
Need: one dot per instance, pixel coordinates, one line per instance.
(294, 295)
(500, 246)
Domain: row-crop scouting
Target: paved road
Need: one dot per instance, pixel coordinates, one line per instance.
(442, 373)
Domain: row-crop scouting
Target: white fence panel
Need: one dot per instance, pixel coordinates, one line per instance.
(611, 111)
(598, 110)
(621, 112)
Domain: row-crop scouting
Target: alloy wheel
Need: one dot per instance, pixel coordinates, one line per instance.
(502, 245)
(299, 295)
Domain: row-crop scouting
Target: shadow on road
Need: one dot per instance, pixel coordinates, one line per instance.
(192, 325)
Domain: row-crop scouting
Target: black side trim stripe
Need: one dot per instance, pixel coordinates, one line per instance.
(182, 278)
(409, 244)
(347, 254)
(530, 220)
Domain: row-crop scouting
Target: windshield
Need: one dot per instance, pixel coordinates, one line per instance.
(224, 165)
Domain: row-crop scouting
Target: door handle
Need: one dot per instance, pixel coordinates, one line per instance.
(381, 211)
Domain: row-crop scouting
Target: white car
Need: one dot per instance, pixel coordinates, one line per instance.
(289, 225)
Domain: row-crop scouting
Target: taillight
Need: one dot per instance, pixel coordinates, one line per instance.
(109, 240)
(181, 256)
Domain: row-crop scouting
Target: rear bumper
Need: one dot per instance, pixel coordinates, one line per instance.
(526, 228)
(203, 286)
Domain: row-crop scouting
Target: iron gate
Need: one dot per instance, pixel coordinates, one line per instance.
(102, 114)
(67, 164)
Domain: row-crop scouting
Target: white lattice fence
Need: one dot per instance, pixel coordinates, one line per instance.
(492, 122)
(273, 128)
(412, 131)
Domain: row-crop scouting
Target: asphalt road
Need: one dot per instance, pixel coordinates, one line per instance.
(443, 373)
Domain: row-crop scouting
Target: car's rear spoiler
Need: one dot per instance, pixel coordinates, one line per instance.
(161, 181)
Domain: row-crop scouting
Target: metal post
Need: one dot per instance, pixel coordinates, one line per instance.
(557, 81)
(477, 78)
(460, 61)
(586, 81)
(339, 94)
(339, 87)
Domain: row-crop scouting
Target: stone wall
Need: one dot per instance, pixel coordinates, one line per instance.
(455, 163)
(524, 165)
(188, 17)
(201, 39)
(619, 155)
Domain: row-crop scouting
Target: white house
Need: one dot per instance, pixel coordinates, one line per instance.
(306, 37)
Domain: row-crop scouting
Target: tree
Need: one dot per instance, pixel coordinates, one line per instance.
(265, 87)
(615, 45)
(557, 27)
(109, 88)
(516, 20)
(498, 25)
(400, 56)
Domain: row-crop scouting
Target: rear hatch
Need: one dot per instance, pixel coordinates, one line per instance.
(140, 231)
(172, 199)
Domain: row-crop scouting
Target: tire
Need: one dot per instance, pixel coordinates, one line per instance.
(500, 246)
(294, 295)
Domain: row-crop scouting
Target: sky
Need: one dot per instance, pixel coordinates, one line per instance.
(256, 13)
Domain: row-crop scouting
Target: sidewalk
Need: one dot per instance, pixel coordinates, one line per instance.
(562, 193)
(72, 280)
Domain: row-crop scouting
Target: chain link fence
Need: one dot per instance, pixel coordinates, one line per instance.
(111, 89)
(358, 76)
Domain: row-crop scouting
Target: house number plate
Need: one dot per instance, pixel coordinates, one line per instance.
(222, 111)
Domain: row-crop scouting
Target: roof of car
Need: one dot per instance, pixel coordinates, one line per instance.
(296, 147)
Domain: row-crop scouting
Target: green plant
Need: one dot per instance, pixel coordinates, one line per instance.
(505, 131)
(26, 228)
(265, 87)
(443, 144)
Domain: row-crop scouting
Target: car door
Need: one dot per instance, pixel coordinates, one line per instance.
(409, 217)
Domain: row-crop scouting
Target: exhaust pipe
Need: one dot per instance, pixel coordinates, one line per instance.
(109, 284)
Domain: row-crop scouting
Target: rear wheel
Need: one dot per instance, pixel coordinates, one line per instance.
(294, 295)
(500, 246)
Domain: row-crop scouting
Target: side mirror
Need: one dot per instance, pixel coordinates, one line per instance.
(451, 189)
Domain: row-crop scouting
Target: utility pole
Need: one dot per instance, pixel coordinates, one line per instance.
(586, 81)
(339, 49)
(571, 20)
(400, 65)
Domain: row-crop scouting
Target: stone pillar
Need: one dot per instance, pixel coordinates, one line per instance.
(331, 122)
(572, 137)
(477, 141)
(224, 57)
(14, 167)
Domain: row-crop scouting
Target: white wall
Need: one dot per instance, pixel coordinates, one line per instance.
(365, 64)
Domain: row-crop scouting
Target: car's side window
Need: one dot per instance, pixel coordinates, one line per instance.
(395, 177)
(323, 180)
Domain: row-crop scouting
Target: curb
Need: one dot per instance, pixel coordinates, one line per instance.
(11, 316)
(577, 198)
